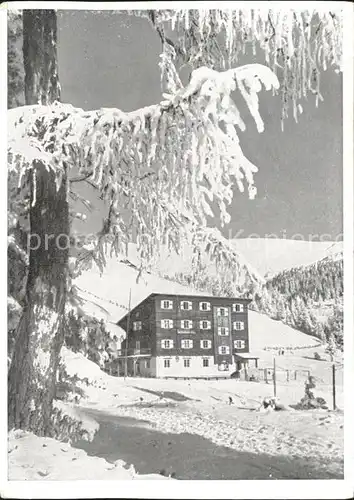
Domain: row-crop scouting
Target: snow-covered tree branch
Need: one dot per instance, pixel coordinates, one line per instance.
(297, 44)
(166, 163)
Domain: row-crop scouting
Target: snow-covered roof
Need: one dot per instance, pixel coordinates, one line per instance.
(246, 355)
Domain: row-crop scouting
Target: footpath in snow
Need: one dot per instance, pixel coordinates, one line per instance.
(184, 430)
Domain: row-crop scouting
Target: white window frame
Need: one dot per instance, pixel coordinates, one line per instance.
(187, 344)
(190, 324)
(241, 325)
(219, 309)
(226, 347)
(186, 363)
(227, 332)
(238, 308)
(201, 306)
(239, 344)
(189, 305)
(207, 361)
(201, 323)
(163, 342)
(167, 363)
(170, 324)
(169, 302)
(137, 325)
(202, 344)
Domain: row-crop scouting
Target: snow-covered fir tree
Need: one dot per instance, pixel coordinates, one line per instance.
(331, 345)
(164, 164)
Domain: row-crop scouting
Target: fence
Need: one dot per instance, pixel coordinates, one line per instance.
(328, 381)
(267, 374)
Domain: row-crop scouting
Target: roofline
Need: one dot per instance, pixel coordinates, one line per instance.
(157, 294)
(201, 296)
(133, 309)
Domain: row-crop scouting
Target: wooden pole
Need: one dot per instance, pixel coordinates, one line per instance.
(274, 378)
(334, 386)
(126, 338)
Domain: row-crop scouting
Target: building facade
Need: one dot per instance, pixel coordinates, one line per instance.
(184, 336)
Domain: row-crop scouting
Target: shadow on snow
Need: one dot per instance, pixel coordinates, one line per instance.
(189, 456)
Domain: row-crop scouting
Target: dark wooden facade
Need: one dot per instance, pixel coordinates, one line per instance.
(151, 334)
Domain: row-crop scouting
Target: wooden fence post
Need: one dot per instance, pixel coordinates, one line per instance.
(334, 386)
(274, 378)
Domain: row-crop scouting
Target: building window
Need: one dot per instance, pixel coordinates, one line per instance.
(186, 305)
(186, 344)
(223, 331)
(167, 344)
(204, 306)
(187, 363)
(136, 325)
(137, 344)
(166, 304)
(147, 364)
(239, 344)
(222, 311)
(238, 308)
(186, 324)
(239, 325)
(167, 363)
(205, 362)
(205, 325)
(167, 323)
(224, 349)
(205, 344)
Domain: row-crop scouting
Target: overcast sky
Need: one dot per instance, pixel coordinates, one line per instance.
(107, 60)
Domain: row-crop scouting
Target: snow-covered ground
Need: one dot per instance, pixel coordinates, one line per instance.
(200, 435)
(189, 430)
(33, 458)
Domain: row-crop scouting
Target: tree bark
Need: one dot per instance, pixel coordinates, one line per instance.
(34, 365)
(40, 56)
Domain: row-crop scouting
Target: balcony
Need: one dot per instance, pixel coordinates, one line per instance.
(134, 353)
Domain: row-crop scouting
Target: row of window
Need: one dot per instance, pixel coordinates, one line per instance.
(186, 305)
(186, 363)
(205, 363)
(204, 344)
(187, 324)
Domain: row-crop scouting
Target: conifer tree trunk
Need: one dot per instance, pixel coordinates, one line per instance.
(33, 370)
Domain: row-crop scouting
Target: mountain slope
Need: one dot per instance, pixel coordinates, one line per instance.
(107, 296)
(273, 255)
(265, 256)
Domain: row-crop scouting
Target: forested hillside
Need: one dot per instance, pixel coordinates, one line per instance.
(309, 298)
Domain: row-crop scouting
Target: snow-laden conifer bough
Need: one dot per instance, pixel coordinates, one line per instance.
(165, 163)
